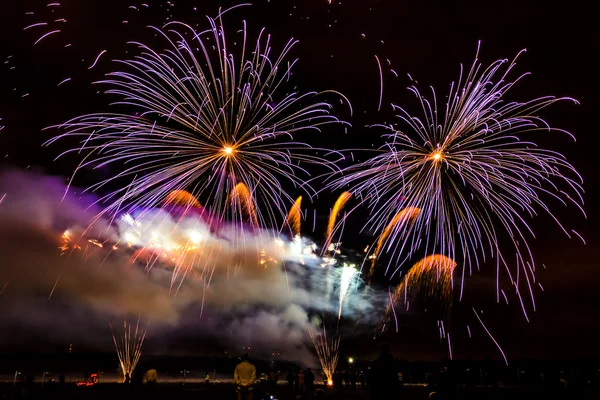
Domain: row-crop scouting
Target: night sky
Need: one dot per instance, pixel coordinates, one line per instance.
(336, 50)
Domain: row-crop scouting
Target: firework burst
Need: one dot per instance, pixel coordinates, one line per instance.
(327, 352)
(67, 243)
(129, 346)
(432, 276)
(464, 165)
(212, 122)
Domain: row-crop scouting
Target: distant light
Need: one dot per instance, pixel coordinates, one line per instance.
(351, 360)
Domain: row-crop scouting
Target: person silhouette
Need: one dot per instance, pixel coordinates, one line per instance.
(291, 377)
(383, 382)
(309, 379)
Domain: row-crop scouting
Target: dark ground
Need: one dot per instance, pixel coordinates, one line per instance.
(227, 391)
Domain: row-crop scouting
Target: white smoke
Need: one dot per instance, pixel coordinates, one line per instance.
(157, 266)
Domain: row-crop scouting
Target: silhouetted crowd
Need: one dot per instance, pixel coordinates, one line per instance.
(383, 378)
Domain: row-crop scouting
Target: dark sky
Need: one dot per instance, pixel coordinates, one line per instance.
(427, 39)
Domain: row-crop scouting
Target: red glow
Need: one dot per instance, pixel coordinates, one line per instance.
(92, 380)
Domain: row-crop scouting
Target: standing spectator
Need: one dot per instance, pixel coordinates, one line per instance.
(309, 379)
(338, 377)
(430, 380)
(383, 377)
(291, 378)
(151, 377)
(138, 378)
(301, 385)
(361, 379)
(273, 378)
(347, 378)
(353, 377)
(245, 377)
(262, 386)
(576, 385)
(447, 384)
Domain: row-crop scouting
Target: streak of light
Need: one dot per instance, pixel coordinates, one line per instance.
(491, 337)
(380, 84)
(97, 58)
(46, 35)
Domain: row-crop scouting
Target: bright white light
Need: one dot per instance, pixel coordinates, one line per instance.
(195, 237)
(129, 219)
(130, 237)
(348, 272)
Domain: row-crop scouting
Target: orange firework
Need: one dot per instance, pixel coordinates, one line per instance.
(145, 256)
(181, 198)
(242, 198)
(67, 243)
(337, 207)
(265, 259)
(327, 352)
(294, 218)
(129, 346)
(406, 215)
(433, 276)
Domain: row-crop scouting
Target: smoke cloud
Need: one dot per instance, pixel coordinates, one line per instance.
(135, 266)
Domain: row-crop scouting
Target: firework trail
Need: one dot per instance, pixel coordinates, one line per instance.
(70, 242)
(327, 352)
(433, 276)
(348, 272)
(205, 121)
(294, 218)
(337, 208)
(45, 22)
(182, 198)
(407, 215)
(490, 335)
(241, 201)
(129, 346)
(474, 180)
